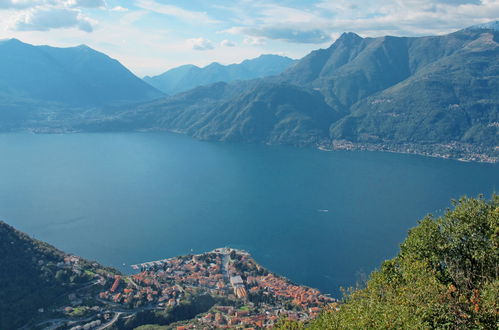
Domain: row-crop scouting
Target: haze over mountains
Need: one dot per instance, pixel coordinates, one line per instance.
(438, 93)
(186, 77)
(75, 76)
(435, 95)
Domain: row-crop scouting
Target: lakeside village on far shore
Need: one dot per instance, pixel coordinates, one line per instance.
(242, 294)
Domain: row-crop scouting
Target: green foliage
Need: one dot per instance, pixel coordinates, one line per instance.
(30, 278)
(151, 327)
(79, 311)
(286, 324)
(445, 277)
(186, 310)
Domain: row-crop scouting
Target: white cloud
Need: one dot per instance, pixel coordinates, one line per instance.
(286, 33)
(119, 9)
(200, 44)
(47, 18)
(227, 43)
(150, 43)
(86, 3)
(319, 22)
(254, 41)
(180, 13)
(23, 4)
(407, 17)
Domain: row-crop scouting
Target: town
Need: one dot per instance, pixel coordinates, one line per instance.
(251, 295)
(223, 288)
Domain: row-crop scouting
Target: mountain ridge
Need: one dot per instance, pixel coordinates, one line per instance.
(431, 95)
(185, 77)
(74, 76)
(366, 83)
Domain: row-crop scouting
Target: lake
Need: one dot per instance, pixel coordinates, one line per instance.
(323, 219)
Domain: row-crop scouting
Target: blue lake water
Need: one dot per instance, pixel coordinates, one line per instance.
(127, 198)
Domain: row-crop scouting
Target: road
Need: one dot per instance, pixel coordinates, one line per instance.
(110, 323)
(225, 264)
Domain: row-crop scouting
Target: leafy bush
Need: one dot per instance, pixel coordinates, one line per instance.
(445, 276)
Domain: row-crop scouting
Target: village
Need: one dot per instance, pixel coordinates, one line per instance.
(459, 151)
(225, 287)
(246, 293)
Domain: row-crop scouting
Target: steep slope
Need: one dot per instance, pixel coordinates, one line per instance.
(252, 111)
(34, 275)
(354, 68)
(390, 93)
(187, 77)
(74, 76)
(269, 113)
(452, 97)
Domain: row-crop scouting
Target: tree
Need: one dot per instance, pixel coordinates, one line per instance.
(445, 276)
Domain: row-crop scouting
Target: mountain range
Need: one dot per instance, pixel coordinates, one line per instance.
(186, 77)
(433, 95)
(436, 95)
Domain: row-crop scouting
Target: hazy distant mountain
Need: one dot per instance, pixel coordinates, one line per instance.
(435, 95)
(250, 111)
(186, 77)
(75, 76)
(429, 92)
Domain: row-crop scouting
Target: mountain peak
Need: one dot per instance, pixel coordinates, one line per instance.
(271, 56)
(178, 80)
(12, 41)
(349, 36)
(213, 65)
(493, 25)
(71, 75)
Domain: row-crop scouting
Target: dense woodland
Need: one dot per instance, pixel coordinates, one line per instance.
(30, 277)
(444, 277)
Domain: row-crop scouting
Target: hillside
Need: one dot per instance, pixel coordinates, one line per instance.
(444, 277)
(430, 95)
(44, 287)
(187, 77)
(449, 96)
(75, 76)
(36, 276)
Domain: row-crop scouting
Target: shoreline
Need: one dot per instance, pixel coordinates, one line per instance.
(453, 151)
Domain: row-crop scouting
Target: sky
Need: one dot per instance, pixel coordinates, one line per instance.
(152, 36)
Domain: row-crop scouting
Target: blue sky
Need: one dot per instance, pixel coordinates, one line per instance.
(151, 36)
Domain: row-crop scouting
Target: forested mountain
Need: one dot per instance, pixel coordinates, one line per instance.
(436, 95)
(75, 76)
(255, 111)
(34, 275)
(186, 77)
